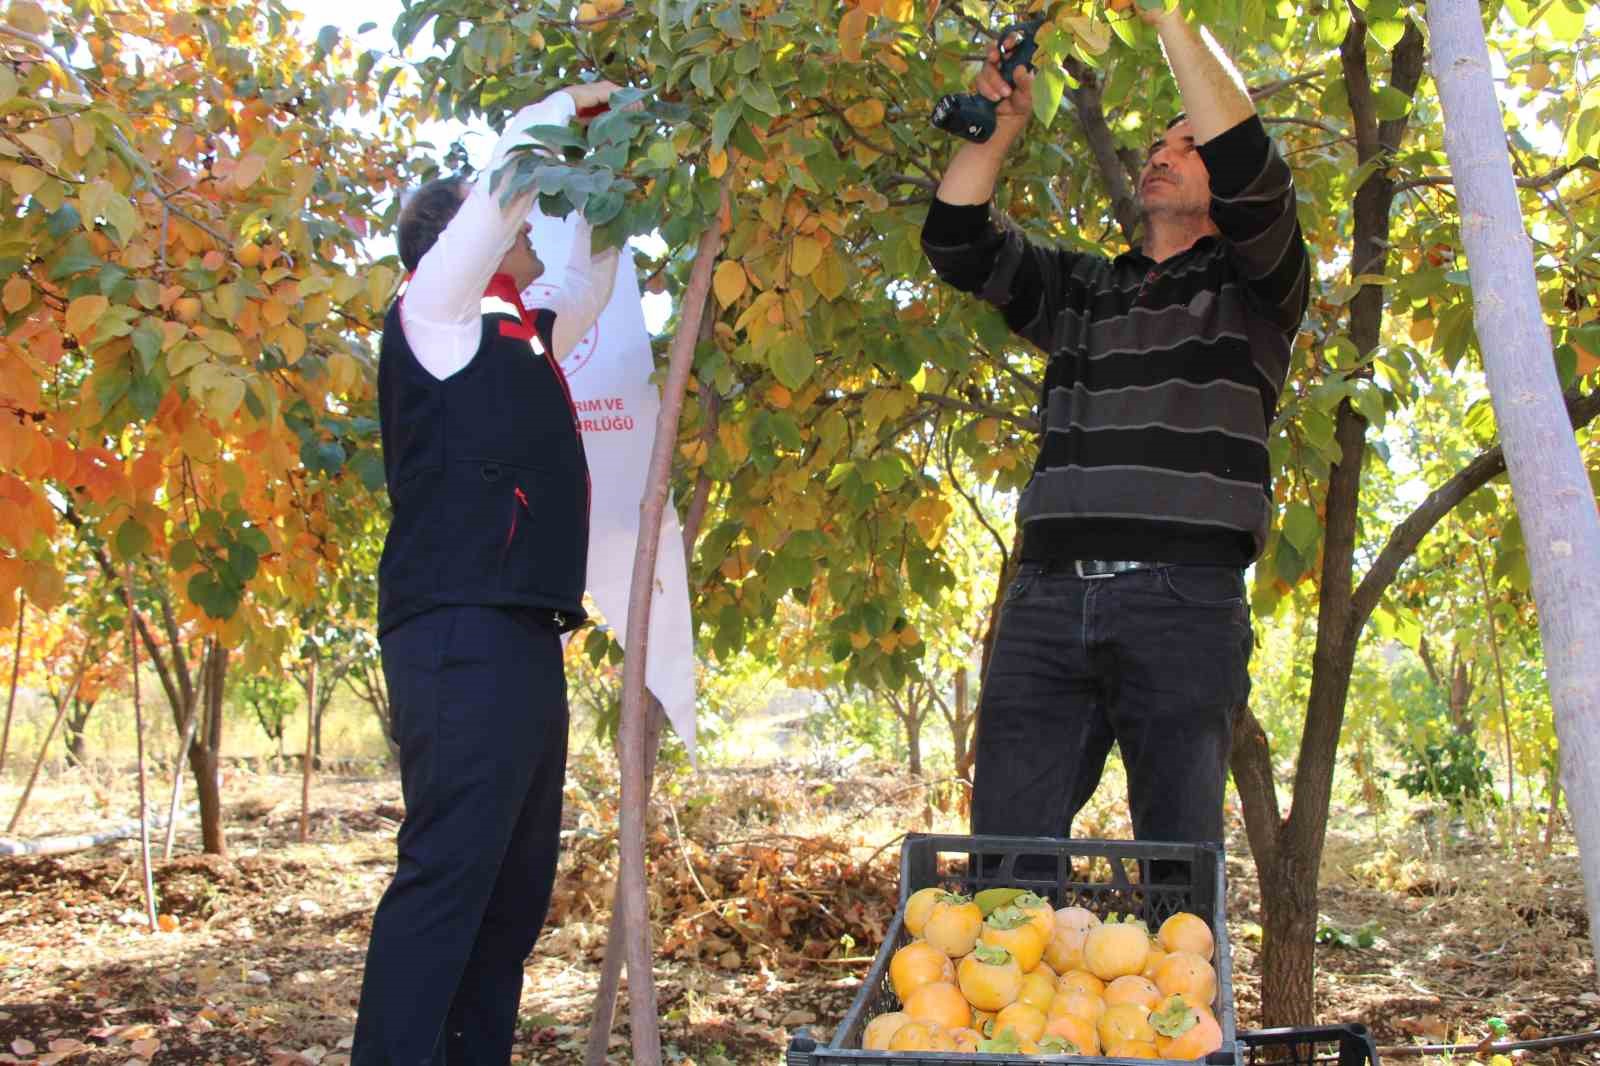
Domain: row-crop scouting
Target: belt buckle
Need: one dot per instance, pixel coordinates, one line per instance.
(1077, 568)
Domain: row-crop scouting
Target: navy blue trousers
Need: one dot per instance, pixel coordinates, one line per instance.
(1154, 661)
(480, 712)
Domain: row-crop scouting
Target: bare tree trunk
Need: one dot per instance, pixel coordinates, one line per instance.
(16, 664)
(306, 764)
(605, 1001)
(633, 728)
(44, 749)
(76, 722)
(1548, 481)
(138, 729)
(206, 750)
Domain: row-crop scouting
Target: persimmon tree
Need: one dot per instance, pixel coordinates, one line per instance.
(185, 376)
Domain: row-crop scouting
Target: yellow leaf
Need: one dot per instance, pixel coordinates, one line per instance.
(26, 179)
(223, 343)
(730, 282)
(829, 277)
(44, 146)
(85, 311)
(852, 31)
(865, 114)
(987, 430)
(291, 340)
(28, 17)
(186, 355)
(718, 164)
(17, 293)
(807, 254)
(249, 169)
(83, 136)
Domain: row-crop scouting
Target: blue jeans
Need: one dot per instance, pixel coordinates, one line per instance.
(480, 710)
(1153, 660)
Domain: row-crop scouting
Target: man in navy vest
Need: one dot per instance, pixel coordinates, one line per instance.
(482, 571)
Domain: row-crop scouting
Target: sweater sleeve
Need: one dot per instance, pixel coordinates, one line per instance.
(1253, 204)
(979, 250)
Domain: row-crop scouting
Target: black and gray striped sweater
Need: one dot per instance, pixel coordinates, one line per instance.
(1162, 378)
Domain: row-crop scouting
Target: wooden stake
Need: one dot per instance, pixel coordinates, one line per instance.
(305, 776)
(44, 749)
(634, 726)
(16, 663)
(138, 725)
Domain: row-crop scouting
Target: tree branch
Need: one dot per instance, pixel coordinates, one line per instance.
(1538, 181)
(1407, 536)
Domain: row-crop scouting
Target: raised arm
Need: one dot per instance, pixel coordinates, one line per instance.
(451, 277)
(584, 292)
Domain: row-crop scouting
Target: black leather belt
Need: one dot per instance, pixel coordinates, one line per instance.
(1097, 568)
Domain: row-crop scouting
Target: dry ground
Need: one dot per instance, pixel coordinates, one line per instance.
(768, 884)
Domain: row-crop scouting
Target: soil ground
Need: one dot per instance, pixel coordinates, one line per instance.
(771, 886)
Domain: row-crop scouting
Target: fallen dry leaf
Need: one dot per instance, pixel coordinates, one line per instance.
(22, 1047)
(146, 1048)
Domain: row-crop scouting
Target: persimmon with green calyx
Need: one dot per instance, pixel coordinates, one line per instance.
(1038, 908)
(1051, 1044)
(990, 978)
(1010, 928)
(919, 906)
(953, 924)
(917, 964)
(1008, 1042)
(1184, 1031)
(1188, 932)
(1116, 949)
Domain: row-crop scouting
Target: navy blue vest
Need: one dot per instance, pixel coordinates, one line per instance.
(488, 482)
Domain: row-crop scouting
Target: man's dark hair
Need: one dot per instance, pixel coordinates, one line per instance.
(423, 216)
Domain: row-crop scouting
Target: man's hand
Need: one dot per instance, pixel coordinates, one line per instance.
(591, 97)
(1013, 106)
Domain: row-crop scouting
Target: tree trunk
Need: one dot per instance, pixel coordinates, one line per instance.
(961, 728)
(77, 720)
(205, 750)
(633, 728)
(1548, 481)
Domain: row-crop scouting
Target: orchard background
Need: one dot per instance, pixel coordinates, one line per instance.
(193, 203)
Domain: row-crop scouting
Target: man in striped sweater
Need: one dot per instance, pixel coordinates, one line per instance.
(1127, 620)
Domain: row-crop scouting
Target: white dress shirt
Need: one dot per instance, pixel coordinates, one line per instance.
(440, 312)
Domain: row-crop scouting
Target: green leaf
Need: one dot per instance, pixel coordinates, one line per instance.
(792, 360)
(1048, 85)
(368, 465)
(184, 554)
(1302, 528)
(760, 96)
(1391, 103)
(147, 339)
(132, 539)
(1387, 32)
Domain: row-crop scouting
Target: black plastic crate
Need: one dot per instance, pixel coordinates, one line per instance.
(1104, 876)
(1328, 1045)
